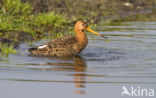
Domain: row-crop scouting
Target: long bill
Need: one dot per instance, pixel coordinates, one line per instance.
(90, 30)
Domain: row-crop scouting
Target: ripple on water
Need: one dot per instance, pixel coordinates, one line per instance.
(124, 60)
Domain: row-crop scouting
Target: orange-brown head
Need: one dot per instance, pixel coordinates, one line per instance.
(81, 26)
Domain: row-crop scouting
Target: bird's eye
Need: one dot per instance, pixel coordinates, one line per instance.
(83, 25)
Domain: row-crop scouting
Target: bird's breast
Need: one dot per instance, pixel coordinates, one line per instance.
(82, 41)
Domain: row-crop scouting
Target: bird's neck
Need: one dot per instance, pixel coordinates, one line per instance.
(82, 38)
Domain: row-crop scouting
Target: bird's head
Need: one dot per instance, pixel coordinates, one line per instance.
(81, 26)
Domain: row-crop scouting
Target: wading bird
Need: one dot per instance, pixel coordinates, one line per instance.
(67, 45)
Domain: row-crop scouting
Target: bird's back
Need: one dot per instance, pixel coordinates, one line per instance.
(64, 46)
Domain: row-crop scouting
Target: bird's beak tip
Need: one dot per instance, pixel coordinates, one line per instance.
(104, 36)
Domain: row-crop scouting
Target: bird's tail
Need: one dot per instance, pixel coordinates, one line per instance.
(32, 49)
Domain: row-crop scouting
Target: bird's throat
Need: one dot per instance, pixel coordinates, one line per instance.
(82, 39)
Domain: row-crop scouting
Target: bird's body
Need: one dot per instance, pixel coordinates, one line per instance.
(66, 45)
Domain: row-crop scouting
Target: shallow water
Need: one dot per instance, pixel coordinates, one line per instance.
(102, 69)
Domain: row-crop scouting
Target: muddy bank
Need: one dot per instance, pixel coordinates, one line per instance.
(94, 11)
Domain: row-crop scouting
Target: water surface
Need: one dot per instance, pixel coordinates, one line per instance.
(129, 59)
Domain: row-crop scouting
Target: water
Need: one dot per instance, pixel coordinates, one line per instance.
(102, 69)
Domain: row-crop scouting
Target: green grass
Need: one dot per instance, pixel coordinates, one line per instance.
(5, 50)
(48, 22)
(13, 15)
(49, 19)
(16, 16)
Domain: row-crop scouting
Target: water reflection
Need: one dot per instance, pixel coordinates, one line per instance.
(79, 67)
(76, 64)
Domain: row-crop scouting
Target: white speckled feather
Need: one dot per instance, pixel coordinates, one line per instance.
(41, 47)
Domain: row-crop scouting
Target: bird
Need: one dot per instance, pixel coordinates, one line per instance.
(70, 45)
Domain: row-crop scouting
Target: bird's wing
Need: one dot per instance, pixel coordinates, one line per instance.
(59, 42)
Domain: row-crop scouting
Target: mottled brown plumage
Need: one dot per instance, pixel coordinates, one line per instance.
(66, 45)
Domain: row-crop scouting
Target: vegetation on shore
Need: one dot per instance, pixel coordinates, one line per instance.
(141, 17)
(94, 11)
(5, 50)
(19, 23)
(28, 20)
(19, 17)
